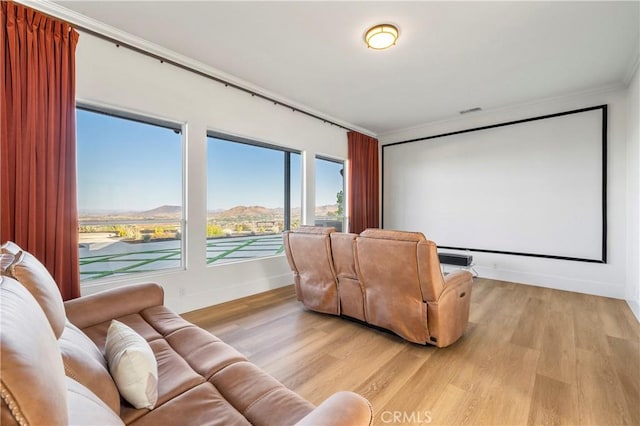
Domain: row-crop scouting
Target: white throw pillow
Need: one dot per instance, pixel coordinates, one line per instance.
(132, 365)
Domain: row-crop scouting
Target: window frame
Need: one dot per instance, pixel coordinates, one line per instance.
(286, 178)
(179, 128)
(343, 163)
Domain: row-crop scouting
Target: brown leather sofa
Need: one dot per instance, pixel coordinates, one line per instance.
(389, 279)
(54, 371)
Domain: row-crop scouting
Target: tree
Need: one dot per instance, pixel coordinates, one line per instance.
(340, 201)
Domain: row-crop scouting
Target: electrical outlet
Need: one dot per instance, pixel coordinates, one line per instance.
(182, 291)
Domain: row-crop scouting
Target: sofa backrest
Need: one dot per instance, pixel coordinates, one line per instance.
(82, 360)
(35, 389)
(388, 268)
(308, 251)
(32, 274)
(431, 279)
(33, 380)
(429, 272)
(399, 277)
(86, 364)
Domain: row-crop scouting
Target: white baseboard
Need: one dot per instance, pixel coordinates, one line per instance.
(218, 294)
(596, 288)
(635, 308)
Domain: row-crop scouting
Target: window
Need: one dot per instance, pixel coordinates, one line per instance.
(253, 194)
(329, 193)
(130, 190)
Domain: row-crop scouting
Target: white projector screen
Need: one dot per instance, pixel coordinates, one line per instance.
(534, 187)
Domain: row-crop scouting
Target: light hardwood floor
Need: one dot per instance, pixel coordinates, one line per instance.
(530, 355)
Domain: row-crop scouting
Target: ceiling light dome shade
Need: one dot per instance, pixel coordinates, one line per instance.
(381, 36)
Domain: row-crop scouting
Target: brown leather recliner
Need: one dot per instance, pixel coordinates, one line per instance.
(308, 250)
(390, 279)
(405, 291)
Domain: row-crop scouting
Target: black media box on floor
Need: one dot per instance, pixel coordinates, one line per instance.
(456, 259)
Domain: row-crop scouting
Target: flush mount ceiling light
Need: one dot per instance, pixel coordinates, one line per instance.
(381, 36)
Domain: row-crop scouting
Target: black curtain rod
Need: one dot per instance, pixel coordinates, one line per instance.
(203, 74)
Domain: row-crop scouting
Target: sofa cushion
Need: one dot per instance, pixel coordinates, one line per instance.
(132, 365)
(258, 396)
(202, 405)
(85, 408)
(34, 276)
(31, 367)
(175, 376)
(84, 362)
(205, 353)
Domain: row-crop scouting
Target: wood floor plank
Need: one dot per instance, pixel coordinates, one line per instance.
(614, 321)
(350, 375)
(423, 389)
(501, 302)
(530, 355)
(452, 404)
(529, 333)
(507, 400)
(558, 347)
(600, 396)
(390, 379)
(625, 356)
(589, 331)
(553, 403)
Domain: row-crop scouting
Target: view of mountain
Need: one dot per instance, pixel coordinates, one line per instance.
(174, 212)
(162, 212)
(245, 211)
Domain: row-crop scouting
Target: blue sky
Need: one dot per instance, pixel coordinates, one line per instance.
(130, 166)
(329, 181)
(126, 165)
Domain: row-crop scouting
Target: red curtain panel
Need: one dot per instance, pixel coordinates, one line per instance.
(37, 146)
(364, 205)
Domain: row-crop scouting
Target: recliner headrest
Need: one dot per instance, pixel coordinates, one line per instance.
(386, 234)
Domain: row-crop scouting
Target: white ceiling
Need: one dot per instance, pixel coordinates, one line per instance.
(450, 56)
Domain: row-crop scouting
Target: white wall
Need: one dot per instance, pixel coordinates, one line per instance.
(601, 279)
(120, 78)
(507, 215)
(633, 194)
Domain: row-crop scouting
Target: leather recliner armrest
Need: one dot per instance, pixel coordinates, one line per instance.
(456, 279)
(341, 408)
(457, 285)
(447, 317)
(99, 307)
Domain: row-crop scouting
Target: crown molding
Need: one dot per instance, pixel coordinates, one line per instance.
(485, 112)
(634, 63)
(74, 18)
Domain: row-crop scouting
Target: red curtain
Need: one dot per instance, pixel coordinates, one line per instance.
(37, 145)
(364, 205)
